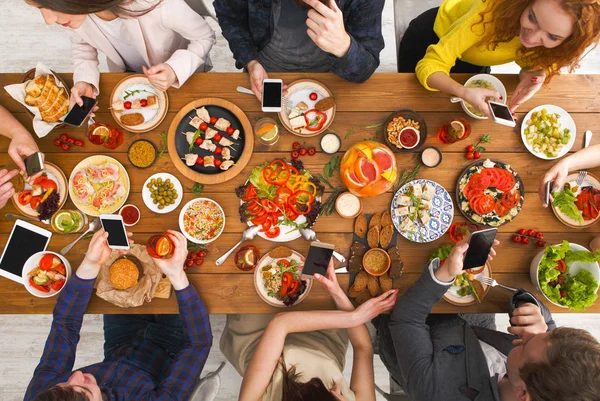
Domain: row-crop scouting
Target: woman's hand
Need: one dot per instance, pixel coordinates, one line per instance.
(81, 89)
(375, 307)
(557, 175)
(477, 97)
(530, 83)
(173, 267)
(6, 187)
(97, 255)
(333, 287)
(454, 264)
(161, 76)
(527, 319)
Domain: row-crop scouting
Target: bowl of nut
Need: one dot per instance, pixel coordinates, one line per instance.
(405, 131)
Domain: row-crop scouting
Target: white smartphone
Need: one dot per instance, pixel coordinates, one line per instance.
(272, 95)
(480, 245)
(24, 241)
(501, 114)
(114, 226)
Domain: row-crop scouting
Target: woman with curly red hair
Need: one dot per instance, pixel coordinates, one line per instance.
(542, 36)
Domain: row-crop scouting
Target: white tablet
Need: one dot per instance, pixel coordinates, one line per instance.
(25, 240)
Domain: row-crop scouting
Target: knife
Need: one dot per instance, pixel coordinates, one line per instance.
(588, 138)
(343, 269)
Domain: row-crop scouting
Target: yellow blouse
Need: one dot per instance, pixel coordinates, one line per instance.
(459, 39)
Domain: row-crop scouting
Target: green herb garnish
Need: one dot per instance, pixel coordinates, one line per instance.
(133, 92)
(197, 188)
(329, 205)
(164, 140)
(196, 135)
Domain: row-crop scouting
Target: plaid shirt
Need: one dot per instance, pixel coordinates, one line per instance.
(141, 372)
(247, 26)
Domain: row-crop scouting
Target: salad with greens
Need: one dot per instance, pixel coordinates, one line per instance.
(565, 202)
(576, 292)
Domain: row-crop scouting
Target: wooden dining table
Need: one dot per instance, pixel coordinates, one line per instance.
(361, 112)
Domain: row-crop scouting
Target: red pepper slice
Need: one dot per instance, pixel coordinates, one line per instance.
(295, 286)
(57, 285)
(38, 287)
(269, 205)
(315, 120)
(286, 281)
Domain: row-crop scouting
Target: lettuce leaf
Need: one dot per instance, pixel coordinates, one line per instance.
(565, 202)
(442, 252)
(581, 291)
(265, 190)
(582, 256)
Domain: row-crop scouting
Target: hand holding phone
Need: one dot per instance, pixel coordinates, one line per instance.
(480, 245)
(272, 95)
(34, 164)
(501, 114)
(117, 235)
(319, 255)
(547, 199)
(78, 113)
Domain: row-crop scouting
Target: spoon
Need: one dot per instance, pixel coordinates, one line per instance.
(310, 235)
(455, 99)
(94, 225)
(10, 216)
(247, 91)
(248, 234)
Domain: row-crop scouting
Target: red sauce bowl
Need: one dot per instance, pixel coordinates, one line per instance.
(130, 214)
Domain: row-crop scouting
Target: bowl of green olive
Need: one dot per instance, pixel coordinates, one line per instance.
(162, 193)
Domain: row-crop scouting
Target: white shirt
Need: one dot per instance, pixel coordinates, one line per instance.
(121, 40)
(496, 360)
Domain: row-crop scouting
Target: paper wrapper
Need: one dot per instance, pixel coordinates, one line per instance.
(135, 296)
(17, 91)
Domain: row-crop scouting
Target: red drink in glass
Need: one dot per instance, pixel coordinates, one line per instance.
(160, 246)
(454, 131)
(102, 134)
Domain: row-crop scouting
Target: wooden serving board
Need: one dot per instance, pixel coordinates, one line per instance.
(163, 290)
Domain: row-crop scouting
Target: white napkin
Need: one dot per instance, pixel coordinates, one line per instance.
(17, 91)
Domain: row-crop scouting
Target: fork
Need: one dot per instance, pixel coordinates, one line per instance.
(580, 177)
(493, 283)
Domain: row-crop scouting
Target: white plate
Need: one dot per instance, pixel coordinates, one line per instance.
(148, 200)
(495, 82)
(299, 91)
(259, 285)
(182, 228)
(452, 296)
(565, 120)
(590, 180)
(32, 263)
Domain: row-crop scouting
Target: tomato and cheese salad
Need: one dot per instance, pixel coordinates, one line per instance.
(49, 275)
(490, 193)
(280, 194)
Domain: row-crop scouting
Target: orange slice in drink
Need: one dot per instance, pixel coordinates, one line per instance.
(351, 180)
(366, 171)
(163, 247)
(383, 159)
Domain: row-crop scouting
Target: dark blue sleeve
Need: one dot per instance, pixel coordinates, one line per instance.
(233, 20)
(362, 19)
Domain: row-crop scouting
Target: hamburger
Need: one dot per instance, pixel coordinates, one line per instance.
(124, 274)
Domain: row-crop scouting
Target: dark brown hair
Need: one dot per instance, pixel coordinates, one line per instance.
(506, 20)
(569, 372)
(122, 8)
(60, 394)
(293, 390)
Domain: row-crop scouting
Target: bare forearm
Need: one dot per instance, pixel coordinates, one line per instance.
(443, 83)
(585, 158)
(9, 125)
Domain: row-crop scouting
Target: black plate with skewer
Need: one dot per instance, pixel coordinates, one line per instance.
(183, 147)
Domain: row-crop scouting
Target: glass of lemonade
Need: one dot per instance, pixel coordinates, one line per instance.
(267, 131)
(68, 221)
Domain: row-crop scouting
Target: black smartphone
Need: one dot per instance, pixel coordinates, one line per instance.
(319, 255)
(78, 113)
(117, 236)
(480, 246)
(34, 164)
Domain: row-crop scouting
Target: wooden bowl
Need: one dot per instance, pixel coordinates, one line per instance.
(408, 115)
(388, 264)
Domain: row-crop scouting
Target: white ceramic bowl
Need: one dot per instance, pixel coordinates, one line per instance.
(566, 121)
(494, 81)
(147, 196)
(32, 263)
(182, 227)
(136, 208)
(575, 268)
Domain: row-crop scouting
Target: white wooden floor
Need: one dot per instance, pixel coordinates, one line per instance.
(25, 41)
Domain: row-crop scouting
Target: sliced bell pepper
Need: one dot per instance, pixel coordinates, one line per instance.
(39, 287)
(305, 186)
(279, 176)
(294, 287)
(315, 120)
(251, 192)
(286, 281)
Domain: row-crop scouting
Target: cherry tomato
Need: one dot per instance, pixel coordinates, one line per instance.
(218, 150)
(144, 102)
(302, 151)
(477, 155)
(470, 148)
(218, 137)
(311, 151)
(189, 263)
(516, 239)
(79, 142)
(199, 262)
(470, 155)
(192, 255)
(57, 142)
(540, 243)
(296, 145)
(198, 141)
(229, 130)
(295, 155)
(63, 137)
(539, 235)
(65, 146)
(200, 161)
(313, 96)
(202, 254)
(203, 126)
(524, 240)
(218, 162)
(71, 140)
(523, 231)
(531, 232)
(127, 105)
(213, 120)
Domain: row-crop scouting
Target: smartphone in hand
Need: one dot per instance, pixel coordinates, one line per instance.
(318, 259)
(501, 114)
(480, 246)
(272, 95)
(78, 113)
(117, 235)
(34, 164)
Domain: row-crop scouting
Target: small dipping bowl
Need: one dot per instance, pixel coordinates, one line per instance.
(350, 200)
(369, 254)
(328, 144)
(407, 130)
(126, 208)
(431, 157)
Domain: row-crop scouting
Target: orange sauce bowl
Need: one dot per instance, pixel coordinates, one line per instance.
(376, 262)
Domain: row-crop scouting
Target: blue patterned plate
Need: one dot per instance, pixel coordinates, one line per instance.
(441, 212)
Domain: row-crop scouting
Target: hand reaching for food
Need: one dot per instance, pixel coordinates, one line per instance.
(375, 307)
(173, 267)
(326, 28)
(530, 83)
(97, 254)
(22, 145)
(6, 187)
(161, 76)
(478, 97)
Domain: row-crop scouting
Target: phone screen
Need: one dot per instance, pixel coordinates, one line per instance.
(116, 232)
(480, 246)
(33, 164)
(501, 111)
(79, 113)
(272, 94)
(317, 260)
(16, 254)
